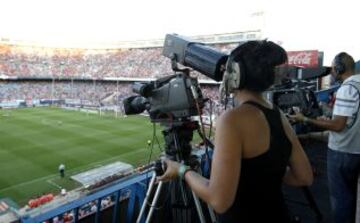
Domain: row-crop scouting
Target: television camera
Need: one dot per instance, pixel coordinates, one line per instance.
(296, 93)
(177, 97)
(172, 101)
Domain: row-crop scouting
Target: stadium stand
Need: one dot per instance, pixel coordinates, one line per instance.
(28, 90)
(32, 73)
(89, 77)
(91, 93)
(36, 62)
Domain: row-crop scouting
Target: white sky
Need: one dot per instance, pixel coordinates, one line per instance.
(329, 26)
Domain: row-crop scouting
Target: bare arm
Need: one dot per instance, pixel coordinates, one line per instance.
(336, 124)
(299, 172)
(220, 190)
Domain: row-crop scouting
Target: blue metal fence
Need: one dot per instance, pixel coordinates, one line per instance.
(136, 184)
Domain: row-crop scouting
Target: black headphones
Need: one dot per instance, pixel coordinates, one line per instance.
(236, 70)
(234, 76)
(339, 66)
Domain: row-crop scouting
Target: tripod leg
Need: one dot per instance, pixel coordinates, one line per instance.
(151, 186)
(153, 204)
(212, 214)
(198, 207)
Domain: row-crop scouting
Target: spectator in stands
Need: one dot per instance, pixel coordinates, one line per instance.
(62, 170)
(343, 161)
(68, 217)
(105, 202)
(246, 178)
(81, 213)
(55, 219)
(93, 207)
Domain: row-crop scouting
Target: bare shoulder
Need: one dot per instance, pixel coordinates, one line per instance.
(240, 115)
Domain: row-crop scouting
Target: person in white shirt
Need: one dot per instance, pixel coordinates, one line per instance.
(343, 158)
(62, 170)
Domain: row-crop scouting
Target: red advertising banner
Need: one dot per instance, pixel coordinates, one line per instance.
(308, 58)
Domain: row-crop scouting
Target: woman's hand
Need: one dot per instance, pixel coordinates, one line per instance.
(171, 172)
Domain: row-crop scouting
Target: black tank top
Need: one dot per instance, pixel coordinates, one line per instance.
(259, 196)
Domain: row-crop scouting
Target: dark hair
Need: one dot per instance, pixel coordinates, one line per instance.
(258, 60)
(347, 61)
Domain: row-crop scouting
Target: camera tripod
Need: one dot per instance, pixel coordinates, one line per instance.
(177, 147)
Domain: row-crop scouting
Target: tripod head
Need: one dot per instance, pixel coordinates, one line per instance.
(178, 137)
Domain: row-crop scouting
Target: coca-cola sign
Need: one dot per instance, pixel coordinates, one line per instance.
(308, 58)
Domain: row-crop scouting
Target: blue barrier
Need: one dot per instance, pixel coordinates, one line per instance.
(134, 183)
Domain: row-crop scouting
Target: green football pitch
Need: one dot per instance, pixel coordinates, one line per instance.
(34, 141)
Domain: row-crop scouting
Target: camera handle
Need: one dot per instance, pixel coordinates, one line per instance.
(174, 65)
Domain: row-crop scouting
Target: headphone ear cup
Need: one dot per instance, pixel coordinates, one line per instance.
(339, 67)
(234, 76)
(231, 78)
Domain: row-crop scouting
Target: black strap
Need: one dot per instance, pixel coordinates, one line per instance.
(258, 105)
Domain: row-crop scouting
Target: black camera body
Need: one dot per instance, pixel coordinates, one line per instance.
(303, 99)
(166, 99)
(297, 96)
(178, 96)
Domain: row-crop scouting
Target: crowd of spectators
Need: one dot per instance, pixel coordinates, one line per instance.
(70, 65)
(36, 62)
(213, 106)
(91, 91)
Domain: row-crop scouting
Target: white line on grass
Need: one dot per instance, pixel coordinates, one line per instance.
(74, 170)
(53, 184)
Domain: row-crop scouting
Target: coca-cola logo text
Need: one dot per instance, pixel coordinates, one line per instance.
(303, 58)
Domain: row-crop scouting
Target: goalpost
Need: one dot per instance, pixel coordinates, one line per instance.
(115, 111)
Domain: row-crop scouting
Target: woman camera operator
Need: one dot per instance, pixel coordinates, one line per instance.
(255, 147)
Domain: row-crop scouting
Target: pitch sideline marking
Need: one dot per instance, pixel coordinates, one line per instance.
(75, 170)
(53, 184)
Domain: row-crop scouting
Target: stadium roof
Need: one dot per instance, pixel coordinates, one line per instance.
(234, 37)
